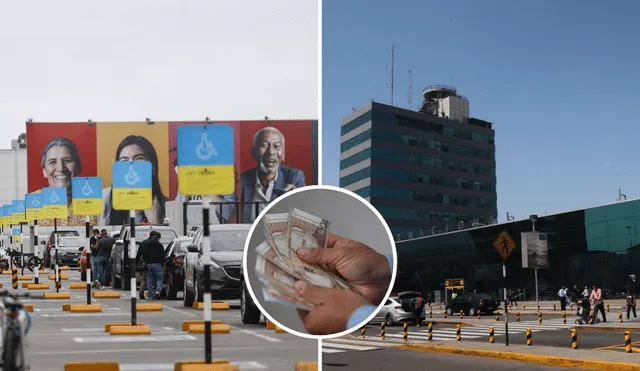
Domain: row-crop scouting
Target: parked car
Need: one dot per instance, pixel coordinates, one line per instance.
(174, 266)
(472, 304)
(392, 313)
(249, 311)
(69, 250)
(119, 261)
(51, 242)
(226, 250)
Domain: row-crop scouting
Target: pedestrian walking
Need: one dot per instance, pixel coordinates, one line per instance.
(598, 303)
(562, 294)
(417, 306)
(631, 304)
(105, 245)
(93, 245)
(585, 293)
(153, 256)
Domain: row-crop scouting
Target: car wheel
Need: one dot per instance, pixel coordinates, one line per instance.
(187, 296)
(116, 282)
(249, 312)
(472, 312)
(172, 290)
(124, 281)
(388, 320)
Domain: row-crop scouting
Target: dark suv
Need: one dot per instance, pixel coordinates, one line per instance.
(249, 311)
(119, 261)
(51, 243)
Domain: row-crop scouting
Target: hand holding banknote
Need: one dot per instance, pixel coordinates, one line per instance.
(366, 270)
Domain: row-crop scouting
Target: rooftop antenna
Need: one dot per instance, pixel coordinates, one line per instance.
(621, 195)
(410, 91)
(393, 56)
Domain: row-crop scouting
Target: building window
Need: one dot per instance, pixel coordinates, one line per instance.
(355, 159)
(358, 139)
(356, 123)
(355, 177)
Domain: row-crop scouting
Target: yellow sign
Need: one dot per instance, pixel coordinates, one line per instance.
(55, 211)
(87, 206)
(454, 284)
(504, 245)
(34, 214)
(132, 198)
(18, 218)
(206, 180)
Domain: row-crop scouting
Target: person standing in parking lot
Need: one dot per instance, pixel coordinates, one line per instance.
(105, 244)
(93, 244)
(153, 256)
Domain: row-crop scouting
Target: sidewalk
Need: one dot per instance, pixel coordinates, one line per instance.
(543, 355)
(611, 324)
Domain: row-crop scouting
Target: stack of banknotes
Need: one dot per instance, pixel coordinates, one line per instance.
(278, 266)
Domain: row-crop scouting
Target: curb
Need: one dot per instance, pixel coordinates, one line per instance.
(606, 329)
(527, 358)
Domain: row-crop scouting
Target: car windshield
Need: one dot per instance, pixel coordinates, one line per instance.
(181, 247)
(72, 241)
(228, 240)
(65, 233)
(166, 235)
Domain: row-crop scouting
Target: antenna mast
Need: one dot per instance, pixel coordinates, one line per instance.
(410, 91)
(392, 61)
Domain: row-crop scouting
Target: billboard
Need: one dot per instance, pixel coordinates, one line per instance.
(535, 250)
(279, 154)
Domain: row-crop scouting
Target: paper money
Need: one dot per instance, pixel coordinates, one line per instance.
(276, 227)
(306, 231)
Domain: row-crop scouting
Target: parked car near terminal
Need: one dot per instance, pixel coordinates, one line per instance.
(249, 311)
(119, 261)
(392, 313)
(472, 304)
(69, 250)
(174, 266)
(51, 242)
(226, 251)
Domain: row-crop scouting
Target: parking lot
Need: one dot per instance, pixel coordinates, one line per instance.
(58, 337)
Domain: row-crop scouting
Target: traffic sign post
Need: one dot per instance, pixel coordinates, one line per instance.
(206, 167)
(131, 190)
(18, 209)
(33, 205)
(54, 205)
(504, 244)
(86, 199)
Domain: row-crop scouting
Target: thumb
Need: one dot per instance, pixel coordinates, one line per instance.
(314, 294)
(319, 255)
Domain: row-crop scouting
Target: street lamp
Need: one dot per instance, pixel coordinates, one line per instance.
(533, 219)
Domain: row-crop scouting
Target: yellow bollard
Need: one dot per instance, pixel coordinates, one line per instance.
(458, 333)
(430, 331)
(607, 308)
(574, 339)
(591, 317)
(564, 318)
(619, 317)
(529, 340)
(524, 307)
(430, 312)
(497, 316)
(540, 318)
(518, 316)
(14, 278)
(405, 335)
(445, 314)
(363, 331)
(382, 330)
(461, 314)
(478, 315)
(627, 341)
(571, 307)
(491, 335)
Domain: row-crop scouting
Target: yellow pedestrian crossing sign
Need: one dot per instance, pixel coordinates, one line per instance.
(504, 245)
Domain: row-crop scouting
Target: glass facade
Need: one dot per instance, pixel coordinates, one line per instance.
(593, 246)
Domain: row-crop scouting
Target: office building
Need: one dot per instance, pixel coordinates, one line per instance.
(428, 171)
(13, 166)
(597, 245)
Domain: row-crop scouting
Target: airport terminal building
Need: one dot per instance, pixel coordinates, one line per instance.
(598, 245)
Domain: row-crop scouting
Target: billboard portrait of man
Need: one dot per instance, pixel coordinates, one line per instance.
(270, 178)
(53, 161)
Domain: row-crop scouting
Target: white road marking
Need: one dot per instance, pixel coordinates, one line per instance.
(85, 314)
(169, 328)
(261, 336)
(84, 329)
(327, 350)
(133, 339)
(197, 350)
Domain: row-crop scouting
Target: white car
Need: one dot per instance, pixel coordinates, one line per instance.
(392, 313)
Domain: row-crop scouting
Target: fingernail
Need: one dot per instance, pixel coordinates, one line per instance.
(303, 253)
(300, 286)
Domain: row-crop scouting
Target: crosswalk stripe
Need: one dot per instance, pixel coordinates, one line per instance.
(350, 341)
(327, 350)
(355, 347)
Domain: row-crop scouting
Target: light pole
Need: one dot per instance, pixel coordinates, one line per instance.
(533, 219)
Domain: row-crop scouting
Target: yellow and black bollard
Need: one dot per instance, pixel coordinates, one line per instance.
(430, 331)
(461, 314)
(627, 341)
(430, 312)
(445, 314)
(554, 307)
(571, 307)
(574, 339)
(440, 306)
(364, 330)
(478, 314)
(540, 318)
(524, 307)
(382, 330)
(497, 316)
(518, 316)
(458, 333)
(619, 317)
(405, 334)
(492, 338)
(564, 318)
(538, 307)
(607, 308)
(14, 278)
(529, 340)
(591, 317)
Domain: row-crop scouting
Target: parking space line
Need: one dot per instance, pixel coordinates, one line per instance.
(150, 350)
(254, 333)
(133, 339)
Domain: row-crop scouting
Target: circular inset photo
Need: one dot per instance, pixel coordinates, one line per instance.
(320, 261)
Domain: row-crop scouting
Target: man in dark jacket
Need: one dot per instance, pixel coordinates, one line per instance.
(153, 257)
(105, 244)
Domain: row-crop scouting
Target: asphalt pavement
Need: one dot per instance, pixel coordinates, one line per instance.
(57, 337)
(393, 359)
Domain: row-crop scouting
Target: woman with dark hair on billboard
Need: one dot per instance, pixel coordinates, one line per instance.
(136, 148)
(60, 163)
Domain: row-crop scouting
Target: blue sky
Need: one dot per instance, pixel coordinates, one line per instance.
(559, 80)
